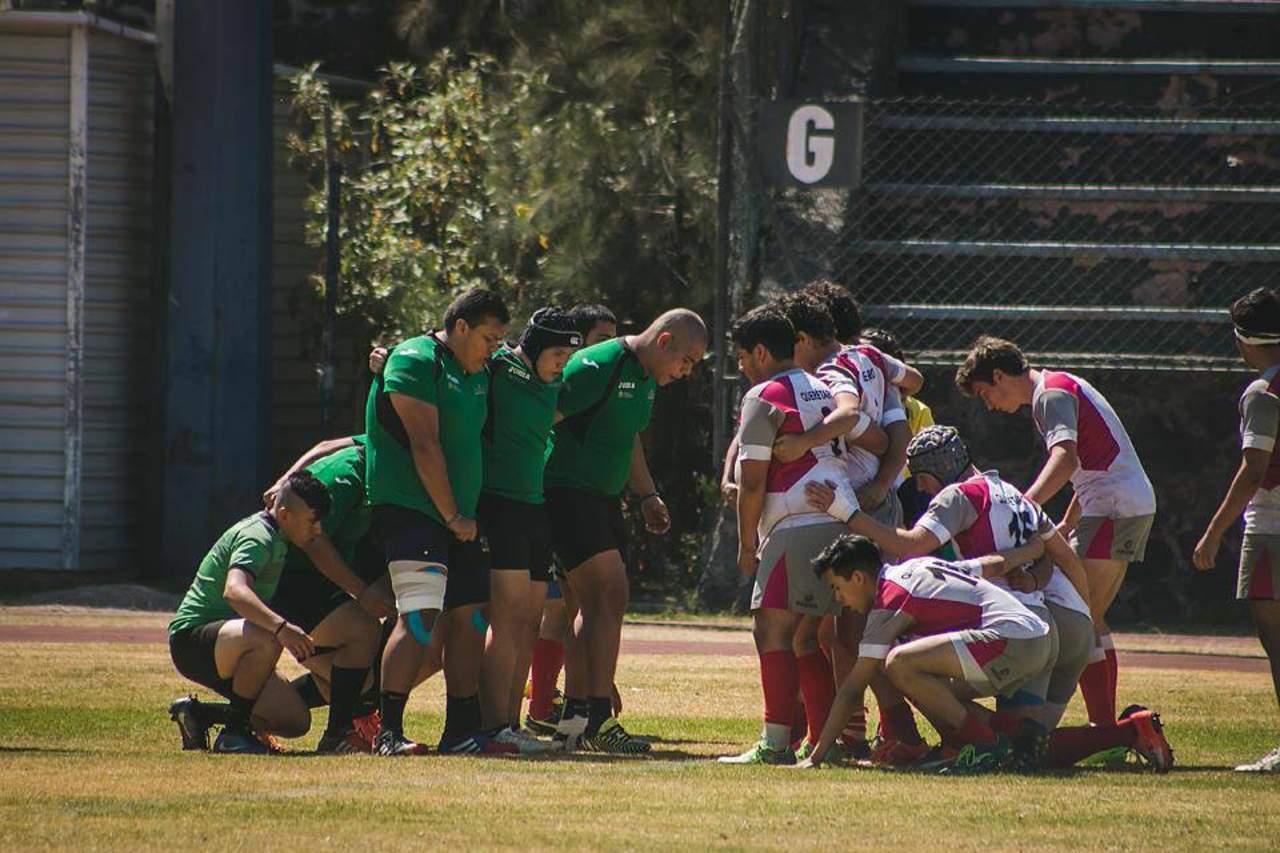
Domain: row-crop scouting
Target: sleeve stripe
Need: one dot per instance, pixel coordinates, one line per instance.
(873, 650)
(893, 417)
(755, 453)
(1254, 441)
(935, 527)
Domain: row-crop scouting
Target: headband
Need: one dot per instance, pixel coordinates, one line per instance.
(1257, 339)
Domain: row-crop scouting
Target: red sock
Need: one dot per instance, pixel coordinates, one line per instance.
(1113, 669)
(780, 679)
(544, 671)
(799, 721)
(1069, 745)
(819, 689)
(974, 731)
(855, 730)
(1099, 699)
(898, 723)
(1004, 722)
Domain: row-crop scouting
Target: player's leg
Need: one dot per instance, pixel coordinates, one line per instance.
(353, 635)
(247, 655)
(1075, 644)
(1259, 584)
(601, 587)
(510, 592)
(528, 639)
(280, 710)
(817, 682)
(547, 661)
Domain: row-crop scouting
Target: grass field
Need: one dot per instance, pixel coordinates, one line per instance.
(89, 759)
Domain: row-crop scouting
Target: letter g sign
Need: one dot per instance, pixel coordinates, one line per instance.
(811, 143)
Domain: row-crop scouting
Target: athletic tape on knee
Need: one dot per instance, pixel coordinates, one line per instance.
(418, 585)
(479, 622)
(418, 627)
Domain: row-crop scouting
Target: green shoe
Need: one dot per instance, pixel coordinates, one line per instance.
(1113, 757)
(974, 759)
(761, 753)
(805, 750)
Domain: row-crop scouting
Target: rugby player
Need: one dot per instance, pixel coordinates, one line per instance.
(595, 323)
(605, 402)
(969, 638)
(1111, 511)
(1255, 489)
(225, 636)
(778, 533)
(524, 385)
(424, 474)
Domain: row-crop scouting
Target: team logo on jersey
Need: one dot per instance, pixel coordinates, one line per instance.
(815, 394)
(454, 381)
(868, 374)
(589, 363)
(626, 390)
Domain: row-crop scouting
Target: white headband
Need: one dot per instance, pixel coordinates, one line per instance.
(1257, 339)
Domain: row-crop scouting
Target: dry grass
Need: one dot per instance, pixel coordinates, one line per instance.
(89, 759)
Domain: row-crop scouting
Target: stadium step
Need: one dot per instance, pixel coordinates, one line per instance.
(1064, 249)
(1080, 192)
(1211, 7)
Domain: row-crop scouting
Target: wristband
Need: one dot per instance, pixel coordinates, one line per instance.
(280, 628)
(646, 497)
(844, 507)
(456, 516)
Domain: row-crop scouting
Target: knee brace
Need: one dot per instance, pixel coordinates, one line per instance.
(418, 585)
(479, 622)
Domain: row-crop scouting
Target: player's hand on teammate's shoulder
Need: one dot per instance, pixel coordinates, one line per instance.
(1206, 552)
(463, 528)
(657, 519)
(378, 359)
(789, 447)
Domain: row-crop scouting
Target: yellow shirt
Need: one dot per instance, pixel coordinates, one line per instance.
(919, 416)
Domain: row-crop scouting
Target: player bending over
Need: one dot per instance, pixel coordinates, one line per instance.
(1255, 490)
(225, 637)
(778, 533)
(1110, 515)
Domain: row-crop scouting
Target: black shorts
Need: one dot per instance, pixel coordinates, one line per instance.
(407, 534)
(305, 596)
(584, 524)
(517, 535)
(192, 653)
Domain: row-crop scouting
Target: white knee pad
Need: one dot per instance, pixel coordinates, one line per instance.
(418, 585)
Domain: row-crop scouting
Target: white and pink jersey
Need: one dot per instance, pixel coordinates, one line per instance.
(985, 515)
(1259, 426)
(869, 374)
(788, 404)
(927, 596)
(1109, 481)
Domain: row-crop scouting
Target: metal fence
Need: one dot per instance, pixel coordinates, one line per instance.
(1105, 235)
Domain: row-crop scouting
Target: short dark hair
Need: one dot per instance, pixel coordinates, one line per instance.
(843, 307)
(849, 553)
(809, 315)
(475, 305)
(310, 491)
(587, 316)
(884, 340)
(986, 355)
(768, 325)
(1257, 311)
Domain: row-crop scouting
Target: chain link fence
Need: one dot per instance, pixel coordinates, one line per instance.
(1105, 235)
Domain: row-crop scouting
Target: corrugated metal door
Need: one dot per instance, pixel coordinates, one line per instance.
(34, 121)
(118, 329)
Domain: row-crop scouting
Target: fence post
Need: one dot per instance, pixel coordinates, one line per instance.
(332, 264)
(724, 195)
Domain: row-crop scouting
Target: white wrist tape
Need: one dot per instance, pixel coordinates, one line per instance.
(418, 585)
(860, 426)
(844, 506)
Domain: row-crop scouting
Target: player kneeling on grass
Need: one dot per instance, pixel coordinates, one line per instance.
(1255, 490)
(226, 638)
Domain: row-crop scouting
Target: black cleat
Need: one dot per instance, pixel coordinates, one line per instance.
(195, 734)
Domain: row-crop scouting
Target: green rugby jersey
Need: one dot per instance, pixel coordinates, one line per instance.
(606, 400)
(425, 369)
(254, 544)
(522, 409)
(349, 518)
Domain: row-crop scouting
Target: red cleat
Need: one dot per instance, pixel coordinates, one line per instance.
(1150, 744)
(366, 729)
(887, 752)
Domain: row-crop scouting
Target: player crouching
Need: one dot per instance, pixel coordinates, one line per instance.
(225, 637)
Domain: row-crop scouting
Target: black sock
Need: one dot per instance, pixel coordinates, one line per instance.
(309, 690)
(238, 712)
(575, 708)
(461, 715)
(212, 713)
(599, 709)
(344, 691)
(393, 711)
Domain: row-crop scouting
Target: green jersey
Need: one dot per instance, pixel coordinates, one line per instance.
(255, 545)
(349, 518)
(606, 400)
(522, 409)
(425, 369)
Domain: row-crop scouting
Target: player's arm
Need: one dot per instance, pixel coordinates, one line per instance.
(895, 458)
(1059, 550)
(1244, 485)
(322, 449)
(728, 488)
(845, 419)
(751, 490)
(325, 557)
(1001, 563)
(1056, 473)
(240, 597)
(1057, 414)
(848, 700)
(911, 381)
(656, 517)
(898, 543)
(422, 423)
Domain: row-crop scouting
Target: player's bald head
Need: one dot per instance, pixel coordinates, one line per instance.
(683, 325)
